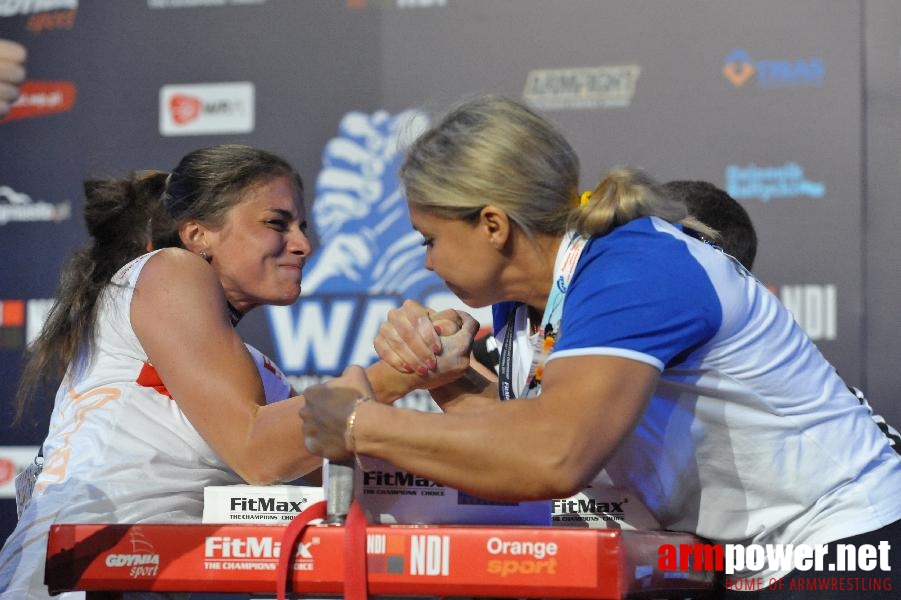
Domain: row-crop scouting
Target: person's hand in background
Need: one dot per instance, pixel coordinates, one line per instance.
(12, 73)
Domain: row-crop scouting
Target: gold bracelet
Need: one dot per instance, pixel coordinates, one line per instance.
(350, 441)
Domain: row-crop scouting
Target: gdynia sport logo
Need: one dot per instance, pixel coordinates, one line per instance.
(741, 563)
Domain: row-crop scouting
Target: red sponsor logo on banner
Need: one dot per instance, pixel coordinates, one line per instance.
(7, 470)
(184, 108)
(12, 324)
(12, 313)
(62, 19)
(39, 98)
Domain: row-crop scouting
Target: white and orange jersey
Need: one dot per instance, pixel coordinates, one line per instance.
(119, 449)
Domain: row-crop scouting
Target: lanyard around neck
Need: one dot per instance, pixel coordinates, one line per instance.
(567, 258)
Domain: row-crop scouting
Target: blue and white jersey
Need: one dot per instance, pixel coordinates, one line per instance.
(751, 436)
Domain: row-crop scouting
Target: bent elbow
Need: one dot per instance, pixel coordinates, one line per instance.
(258, 476)
(555, 480)
(271, 473)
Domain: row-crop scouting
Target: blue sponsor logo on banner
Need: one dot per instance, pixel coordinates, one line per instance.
(740, 69)
(752, 182)
(370, 259)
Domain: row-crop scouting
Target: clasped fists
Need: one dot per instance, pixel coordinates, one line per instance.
(435, 345)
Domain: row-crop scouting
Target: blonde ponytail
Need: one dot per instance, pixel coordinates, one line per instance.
(625, 194)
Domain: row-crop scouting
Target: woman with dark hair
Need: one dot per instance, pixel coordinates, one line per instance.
(159, 397)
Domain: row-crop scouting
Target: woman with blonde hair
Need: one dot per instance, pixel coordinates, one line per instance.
(630, 346)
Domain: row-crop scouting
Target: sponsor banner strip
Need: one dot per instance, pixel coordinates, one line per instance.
(421, 560)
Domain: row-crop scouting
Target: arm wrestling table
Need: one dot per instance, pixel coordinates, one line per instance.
(519, 562)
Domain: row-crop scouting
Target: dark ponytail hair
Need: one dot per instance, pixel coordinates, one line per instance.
(208, 182)
(118, 214)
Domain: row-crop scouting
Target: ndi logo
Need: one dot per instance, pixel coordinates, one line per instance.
(814, 307)
(740, 68)
(370, 258)
(752, 182)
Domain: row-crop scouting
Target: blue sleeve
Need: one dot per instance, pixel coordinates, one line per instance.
(639, 294)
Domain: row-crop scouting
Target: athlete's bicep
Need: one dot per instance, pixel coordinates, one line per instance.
(178, 313)
(595, 401)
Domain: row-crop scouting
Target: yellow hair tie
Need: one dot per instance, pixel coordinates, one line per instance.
(586, 196)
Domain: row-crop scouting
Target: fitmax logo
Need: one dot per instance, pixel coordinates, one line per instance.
(739, 68)
(397, 478)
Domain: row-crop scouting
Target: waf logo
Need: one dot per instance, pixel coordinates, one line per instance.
(40, 98)
(739, 68)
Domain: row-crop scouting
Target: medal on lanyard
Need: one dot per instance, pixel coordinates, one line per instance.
(550, 325)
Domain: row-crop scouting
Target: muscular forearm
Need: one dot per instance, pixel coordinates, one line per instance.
(389, 384)
(508, 451)
(471, 391)
(274, 451)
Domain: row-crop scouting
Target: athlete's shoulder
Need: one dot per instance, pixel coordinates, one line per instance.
(174, 265)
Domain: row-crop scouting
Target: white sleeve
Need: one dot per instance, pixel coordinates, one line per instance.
(275, 384)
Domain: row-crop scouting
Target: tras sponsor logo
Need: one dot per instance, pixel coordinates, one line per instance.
(521, 557)
(814, 307)
(41, 98)
(369, 258)
(582, 87)
(143, 560)
(41, 14)
(740, 69)
(207, 108)
(753, 182)
(19, 207)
